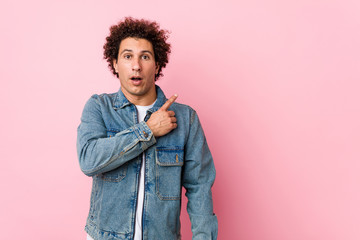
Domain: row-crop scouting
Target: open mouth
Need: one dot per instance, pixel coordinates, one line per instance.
(136, 81)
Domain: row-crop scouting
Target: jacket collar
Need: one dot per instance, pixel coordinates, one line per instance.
(120, 101)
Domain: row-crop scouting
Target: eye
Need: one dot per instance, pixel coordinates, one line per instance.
(145, 57)
(127, 56)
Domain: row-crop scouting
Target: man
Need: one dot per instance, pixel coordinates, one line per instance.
(141, 148)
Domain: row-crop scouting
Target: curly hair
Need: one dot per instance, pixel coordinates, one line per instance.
(136, 28)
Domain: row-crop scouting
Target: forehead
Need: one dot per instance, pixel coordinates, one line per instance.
(135, 45)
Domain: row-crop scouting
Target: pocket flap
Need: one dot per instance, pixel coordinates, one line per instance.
(111, 132)
(169, 156)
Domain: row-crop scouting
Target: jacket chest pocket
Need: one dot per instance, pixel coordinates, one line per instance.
(115, 175)
(111, 132)
(169, 164)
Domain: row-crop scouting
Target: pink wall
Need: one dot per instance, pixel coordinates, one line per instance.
(276, 85)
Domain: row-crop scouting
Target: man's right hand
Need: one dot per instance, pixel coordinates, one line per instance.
(163, 121)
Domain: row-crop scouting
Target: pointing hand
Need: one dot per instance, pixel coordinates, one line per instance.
(163, 121)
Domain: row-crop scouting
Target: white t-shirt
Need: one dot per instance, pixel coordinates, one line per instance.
(139, 208)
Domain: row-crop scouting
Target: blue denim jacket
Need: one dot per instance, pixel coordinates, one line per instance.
(110, 145)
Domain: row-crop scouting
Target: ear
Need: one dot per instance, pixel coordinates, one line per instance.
(157, 68)
(115, 64)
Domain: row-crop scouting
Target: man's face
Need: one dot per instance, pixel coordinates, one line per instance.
(136, 67)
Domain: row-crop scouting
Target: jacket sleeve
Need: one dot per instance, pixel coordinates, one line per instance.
(96, 152)
(198, 178)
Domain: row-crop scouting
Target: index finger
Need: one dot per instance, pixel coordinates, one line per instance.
(168, 103)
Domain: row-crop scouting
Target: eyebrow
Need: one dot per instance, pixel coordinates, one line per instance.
(144, 51)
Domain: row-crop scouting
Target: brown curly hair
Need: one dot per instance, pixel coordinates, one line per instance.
(136, 28)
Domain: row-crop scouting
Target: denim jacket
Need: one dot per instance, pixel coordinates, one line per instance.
(110, 144)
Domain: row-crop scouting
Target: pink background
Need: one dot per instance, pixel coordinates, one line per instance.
(275, 83)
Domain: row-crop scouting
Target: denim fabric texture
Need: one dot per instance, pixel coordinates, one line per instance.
(110, 144)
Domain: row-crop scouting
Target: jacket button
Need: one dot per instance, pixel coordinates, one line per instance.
(145, 134)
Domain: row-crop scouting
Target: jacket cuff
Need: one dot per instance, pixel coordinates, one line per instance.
(144, 133)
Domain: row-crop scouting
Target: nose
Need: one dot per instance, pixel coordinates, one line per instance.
(136, 65)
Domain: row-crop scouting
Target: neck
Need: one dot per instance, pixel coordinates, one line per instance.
(144, 100)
